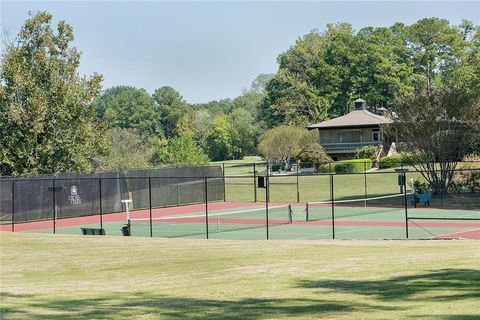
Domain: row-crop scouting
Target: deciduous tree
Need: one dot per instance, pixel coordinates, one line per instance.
(47, 123)
(130, 108)
(438, 129)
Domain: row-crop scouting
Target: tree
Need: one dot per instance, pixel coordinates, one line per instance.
(127, 150)
(435, 45)
(380, 72)
(438, 128)
(219, 140)
(183, 151)
(320, 76)
(202, 121)
(464, 72)
(248, 100)
(260, 83)
(244, 132)
(311, 152)
(282, 143)
(217, 108)
(171, 107)
(291, 96)
(186, 126)
(47, 123)
(129, 108)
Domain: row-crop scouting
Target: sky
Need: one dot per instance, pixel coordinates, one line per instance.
(208, 50)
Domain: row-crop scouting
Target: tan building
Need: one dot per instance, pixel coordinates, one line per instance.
(342, 136)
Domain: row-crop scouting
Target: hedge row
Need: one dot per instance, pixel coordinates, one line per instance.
(350, 166)
(394, 161)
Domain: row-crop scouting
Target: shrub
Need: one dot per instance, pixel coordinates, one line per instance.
(182, 151)
(473, 181)
(367, 152)
(395, 161)
(326, 168)
(350, 166)
(277, 167)
(421, 187)
(470, 162)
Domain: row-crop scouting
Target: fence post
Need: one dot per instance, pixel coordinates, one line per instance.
(332, 196)
(178, 195)
(13, 205)
(224, 189)
(254, 183)
(441, 196)
(54, 206)
(100, 204)
(206, 204)
(150, 205)
(405, 202)
(365, 178)
(267, 199)
(298, 188)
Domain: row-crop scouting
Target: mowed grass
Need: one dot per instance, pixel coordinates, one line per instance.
(283, 188)
(75, 277)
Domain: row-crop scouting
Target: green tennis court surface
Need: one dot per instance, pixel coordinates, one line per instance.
(351, 220)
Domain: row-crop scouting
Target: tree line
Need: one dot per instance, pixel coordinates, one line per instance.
(54, 120)
(162, 122)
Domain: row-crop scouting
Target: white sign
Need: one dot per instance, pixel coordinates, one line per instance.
(74, 197)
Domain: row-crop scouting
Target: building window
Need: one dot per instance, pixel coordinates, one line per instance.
(376, 136)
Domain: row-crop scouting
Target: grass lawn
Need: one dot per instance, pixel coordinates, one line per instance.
(75, 277)
(244, 166)
(283, 188)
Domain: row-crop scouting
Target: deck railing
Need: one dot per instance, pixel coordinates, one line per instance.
(347, 147)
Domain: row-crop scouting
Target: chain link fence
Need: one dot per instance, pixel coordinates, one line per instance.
(209, 203)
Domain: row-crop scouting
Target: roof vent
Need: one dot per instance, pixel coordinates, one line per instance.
(359, 104)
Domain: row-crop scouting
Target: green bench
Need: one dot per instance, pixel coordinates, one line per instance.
(416, 198)
(93, 231)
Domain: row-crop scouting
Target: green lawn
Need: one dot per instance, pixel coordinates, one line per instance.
(283, 188)
(245, 166)
(315, 187)
(75, 277)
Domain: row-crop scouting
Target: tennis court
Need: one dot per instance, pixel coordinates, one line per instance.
(370, 218)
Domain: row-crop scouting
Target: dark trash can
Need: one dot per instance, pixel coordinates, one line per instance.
(261, 182)
(126, 230)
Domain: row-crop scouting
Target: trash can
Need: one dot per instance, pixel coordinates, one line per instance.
(261, 182)
(126, 230)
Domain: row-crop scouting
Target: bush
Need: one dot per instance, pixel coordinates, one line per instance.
(326, 168)
(182, 151)
(470, 162)
(395, 161)
(421, 187)
(455, 186)
(367, 152)
(277, 167)
(350, 166)
(465, 181)
(473, 181)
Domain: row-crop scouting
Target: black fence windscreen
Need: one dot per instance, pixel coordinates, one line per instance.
(76, 195)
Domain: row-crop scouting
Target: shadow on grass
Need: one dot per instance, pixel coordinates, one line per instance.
(142, 304)
(441, 285)
(451, 285)
(451, 317)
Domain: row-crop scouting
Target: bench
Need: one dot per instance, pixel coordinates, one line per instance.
(420, 198)
(93, 231)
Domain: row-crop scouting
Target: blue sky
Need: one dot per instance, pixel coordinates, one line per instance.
(209, 50)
